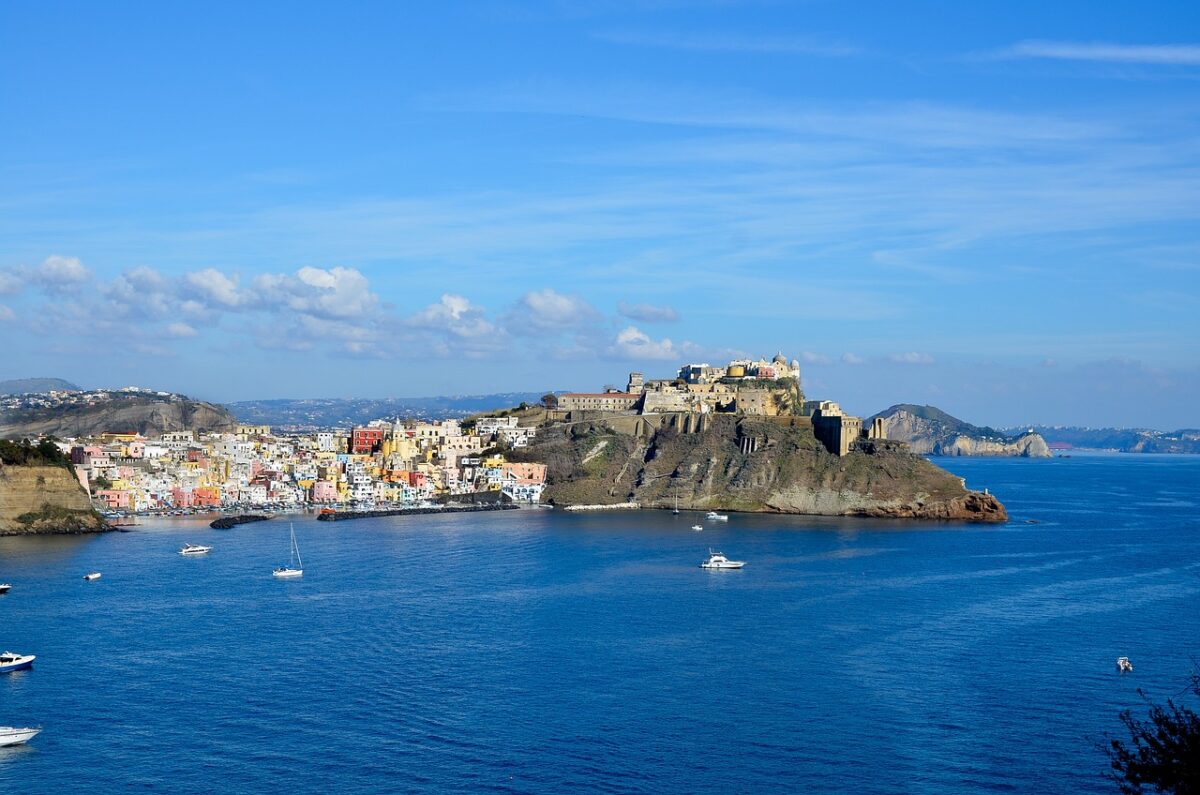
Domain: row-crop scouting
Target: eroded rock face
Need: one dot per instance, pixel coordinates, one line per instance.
(935, 436)
(45, 500)
(787, 471)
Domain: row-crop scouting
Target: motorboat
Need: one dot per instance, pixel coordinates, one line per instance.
(716, 560)
(5, 587)
(713, 516)
(698, 527)
(1123, 665)
(92, 575)
(194, 549)
(11, 735)
(11, 661)
(295, 567)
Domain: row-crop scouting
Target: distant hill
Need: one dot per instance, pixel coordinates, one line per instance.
(1125, 440)
(334, 412)
(24, 386)
(931, 431)
(91, 413)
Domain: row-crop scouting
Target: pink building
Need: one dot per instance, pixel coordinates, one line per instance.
(525, 474)
(323, 491)
(116, 500)
(182, 498)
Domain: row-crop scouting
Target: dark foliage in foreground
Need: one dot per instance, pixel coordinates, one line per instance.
(44, 453)
(1163, 752)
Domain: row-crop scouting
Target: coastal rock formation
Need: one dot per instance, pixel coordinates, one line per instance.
(44, 500)
(149, 416)
(759, 464)
(930, 431)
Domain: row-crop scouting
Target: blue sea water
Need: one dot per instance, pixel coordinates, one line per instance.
(540, 651)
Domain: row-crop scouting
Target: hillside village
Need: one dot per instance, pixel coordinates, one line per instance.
(413, 462)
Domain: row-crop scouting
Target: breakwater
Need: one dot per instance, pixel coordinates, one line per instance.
(226, 522)
(337, 516)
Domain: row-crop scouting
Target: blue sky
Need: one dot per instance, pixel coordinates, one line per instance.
(990, 207)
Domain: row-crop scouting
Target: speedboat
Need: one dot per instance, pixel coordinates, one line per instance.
(194, 549)
(716, 560)
(1123, 665)
(713, 516)
(11, 735)
(92, 575)
(11, 661)
(5, 587)
(697, 527)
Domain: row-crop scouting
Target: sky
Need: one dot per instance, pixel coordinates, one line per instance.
(991, 207)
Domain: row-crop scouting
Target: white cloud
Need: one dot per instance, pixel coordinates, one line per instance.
(215, 288)
(632, 343)
(181, 330)
(1164, 54)
(648, 313)
(547, 311)
(910, 357)
(6, 314)
(454, 315)
(10, 283)
(334, 293)
(58, 274)
(808, 357)
(852, 359)
(731, 42)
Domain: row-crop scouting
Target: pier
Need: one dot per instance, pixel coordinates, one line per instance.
(337, 516)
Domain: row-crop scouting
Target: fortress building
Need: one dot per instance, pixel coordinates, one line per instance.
(747, 387)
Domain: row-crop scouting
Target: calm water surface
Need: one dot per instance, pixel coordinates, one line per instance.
(538, 651)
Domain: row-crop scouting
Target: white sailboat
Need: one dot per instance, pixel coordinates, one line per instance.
(295, 567)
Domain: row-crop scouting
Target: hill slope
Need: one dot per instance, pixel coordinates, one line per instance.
(149, 415)
(655, 462)
(930, 431)
(332, 412)
(24, 386)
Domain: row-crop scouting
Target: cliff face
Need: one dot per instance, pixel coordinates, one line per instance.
(147, 416)
(929, 431)
(45, 500)
(746, 464)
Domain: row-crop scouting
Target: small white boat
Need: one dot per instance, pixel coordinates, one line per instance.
(698, 527)
(92, 575)
(11, 735)
(11, 661)
(716, 560)
(5, 587)
(1123, 665)
(194, 549)
(713, 516)
(295, 567)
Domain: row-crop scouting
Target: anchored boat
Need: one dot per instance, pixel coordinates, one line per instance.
(713, 516)
(716, 560)
(11, 661)
(11, 735)
(295, 567)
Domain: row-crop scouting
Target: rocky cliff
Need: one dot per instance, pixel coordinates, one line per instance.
(45, 500)
(930, 431)
(148, 416)
(744, 464)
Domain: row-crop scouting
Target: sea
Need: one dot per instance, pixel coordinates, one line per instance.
(540, 651)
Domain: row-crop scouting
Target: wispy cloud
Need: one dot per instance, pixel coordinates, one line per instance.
(1106, 52)
(732, 43)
